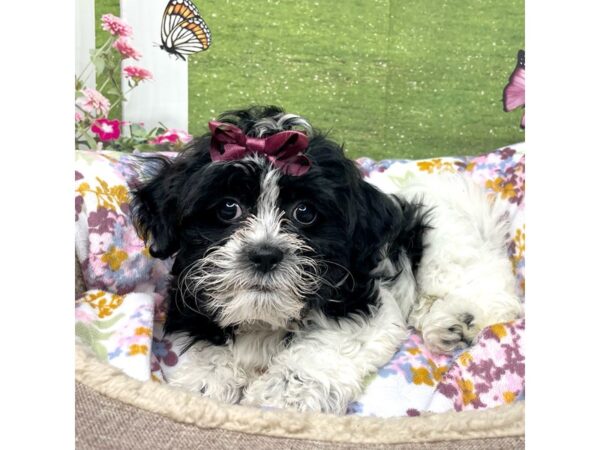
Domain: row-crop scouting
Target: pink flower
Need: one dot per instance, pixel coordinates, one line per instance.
(78, 117)
(116, 26)
(137, 74)
(172, 136)
(93, 102)
(106, 129)
(123, 46)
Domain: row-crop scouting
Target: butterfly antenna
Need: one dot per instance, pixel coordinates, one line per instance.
(521, 58)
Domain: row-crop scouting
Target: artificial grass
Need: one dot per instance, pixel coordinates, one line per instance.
(389, 78)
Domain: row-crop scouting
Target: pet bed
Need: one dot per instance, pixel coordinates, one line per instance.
(417, 398)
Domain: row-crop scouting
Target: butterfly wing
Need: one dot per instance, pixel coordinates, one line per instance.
(514, 92)
(176, 12)
(190, 36)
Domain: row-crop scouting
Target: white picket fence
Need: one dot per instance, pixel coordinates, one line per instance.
(165, 98)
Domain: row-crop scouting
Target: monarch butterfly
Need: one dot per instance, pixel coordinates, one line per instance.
(514, 92)
(183, 31)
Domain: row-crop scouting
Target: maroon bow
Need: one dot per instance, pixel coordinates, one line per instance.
(283, 149)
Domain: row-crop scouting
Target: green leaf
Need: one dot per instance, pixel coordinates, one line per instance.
(146, 148)
(89, 333)
(113, 91)
(100, 351)
(158, 130)
(100, 66)
(137, 130)
(82, 332)
(91, 142)
(107, 323)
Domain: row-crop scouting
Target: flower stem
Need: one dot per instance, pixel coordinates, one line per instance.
(99, 51)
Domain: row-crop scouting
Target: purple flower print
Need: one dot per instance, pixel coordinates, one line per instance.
(100, 221)
(162, 350)
(78, 206)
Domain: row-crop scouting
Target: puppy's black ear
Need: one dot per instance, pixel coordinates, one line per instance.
(154, 207)
(390, 223)
(377, 222)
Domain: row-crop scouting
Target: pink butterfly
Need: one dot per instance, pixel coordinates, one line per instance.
(514, 92)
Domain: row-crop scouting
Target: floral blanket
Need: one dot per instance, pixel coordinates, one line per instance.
(120, 317)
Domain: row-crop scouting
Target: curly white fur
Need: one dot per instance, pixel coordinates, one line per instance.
(320, 370)
(465, 280)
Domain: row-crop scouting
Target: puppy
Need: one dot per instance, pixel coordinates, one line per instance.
(293, 278)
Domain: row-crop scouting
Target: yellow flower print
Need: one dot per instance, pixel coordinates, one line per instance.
(114, 257)
(155, 378)
(519, 248)
(466, 387)
(143, 331)
(436, 371)
(506, 190)
(465, 358)
(431, 165)
(495, 184)
(98, 300)
(83, 188)
(93, 296)
(499, 330)
(119, 194)
(439, 372)
(413, 351)
(470, 166)
(109, 197)
(427, 166)
(421, 376)
(509, 396)
(135, 349)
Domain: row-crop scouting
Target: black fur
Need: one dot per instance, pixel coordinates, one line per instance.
(174, 211)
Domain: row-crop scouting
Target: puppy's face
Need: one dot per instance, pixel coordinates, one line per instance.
(254, 245)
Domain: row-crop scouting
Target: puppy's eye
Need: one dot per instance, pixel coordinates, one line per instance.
(304, 214)
(229, 210)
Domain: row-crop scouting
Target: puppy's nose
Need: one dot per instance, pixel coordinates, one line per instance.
(265, 257)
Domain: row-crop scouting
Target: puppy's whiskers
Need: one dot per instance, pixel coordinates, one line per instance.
(325, 262)
(182, 279)
(232, 289)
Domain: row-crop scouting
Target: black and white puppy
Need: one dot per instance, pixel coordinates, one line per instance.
(294, 278)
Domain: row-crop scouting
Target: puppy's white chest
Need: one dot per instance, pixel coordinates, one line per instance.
(253, 350)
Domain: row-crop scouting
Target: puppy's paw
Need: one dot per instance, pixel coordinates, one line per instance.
(294, 390)
(452, 323)
(208, 370)
(448, 332)
(225, 389)
(224, 392)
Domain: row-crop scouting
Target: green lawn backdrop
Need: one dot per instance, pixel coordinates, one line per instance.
(389, 78)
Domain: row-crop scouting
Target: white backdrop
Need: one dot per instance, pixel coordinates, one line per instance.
(165, 98)
(85, 38)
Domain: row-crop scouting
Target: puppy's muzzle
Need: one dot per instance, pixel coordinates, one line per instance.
(265, 257)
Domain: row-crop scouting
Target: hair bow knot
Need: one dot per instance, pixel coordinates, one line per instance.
(284, 149)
